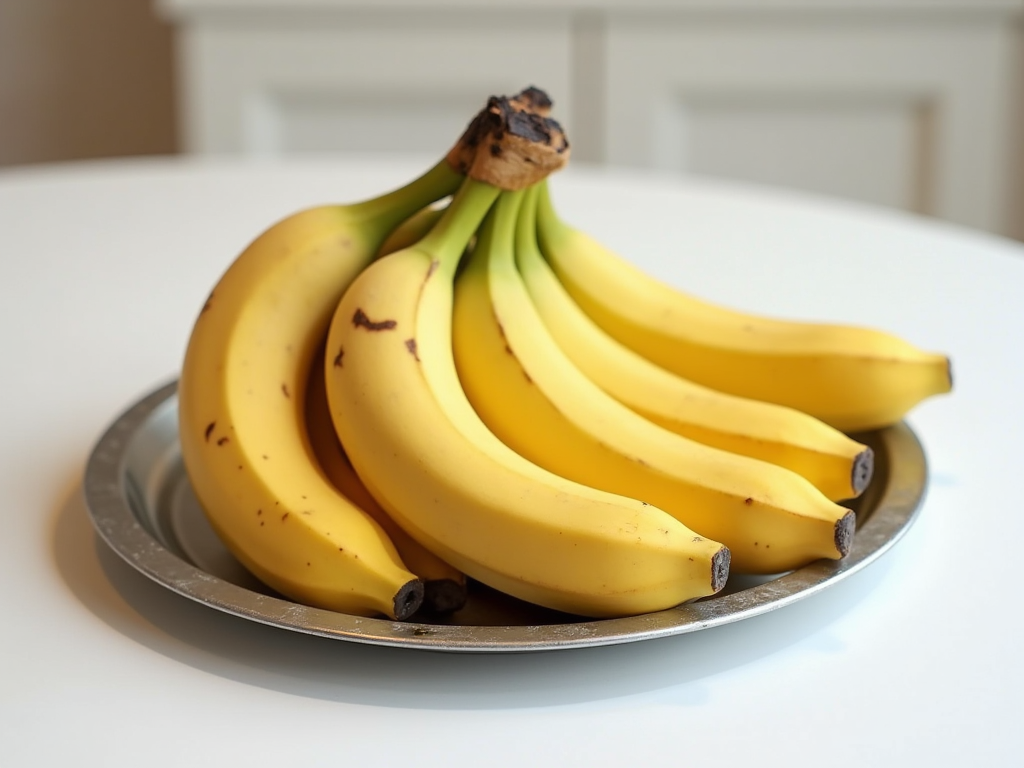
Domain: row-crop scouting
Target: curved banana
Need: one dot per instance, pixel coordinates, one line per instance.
(444, 587)
(528, 392)
(412, 230)
(241, 410)
(421, 451)
(852, 378)
(837, 465)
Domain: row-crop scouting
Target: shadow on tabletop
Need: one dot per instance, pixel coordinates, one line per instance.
(334, 670)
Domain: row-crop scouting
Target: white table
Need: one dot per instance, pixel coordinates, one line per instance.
(913, 662)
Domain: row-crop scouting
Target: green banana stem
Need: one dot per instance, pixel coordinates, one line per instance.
(507, 215)
(527, 248)
(550, 229)
(495, 245)
(383, 214)
(447, 241)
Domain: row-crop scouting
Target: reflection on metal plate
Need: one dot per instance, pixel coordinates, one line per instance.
(142, 505)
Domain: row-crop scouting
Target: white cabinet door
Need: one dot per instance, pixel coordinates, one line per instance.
(271, 84)
(885, 109)
(912, 104)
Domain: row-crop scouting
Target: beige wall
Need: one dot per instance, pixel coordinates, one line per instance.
(84, 79)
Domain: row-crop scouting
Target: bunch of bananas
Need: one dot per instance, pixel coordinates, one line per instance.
(383, 398)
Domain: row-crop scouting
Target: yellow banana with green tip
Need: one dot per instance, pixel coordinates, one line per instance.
(241, 408)
(837, 465)
(421, 450)
(444, 587)
(531, 395)
(849, 377)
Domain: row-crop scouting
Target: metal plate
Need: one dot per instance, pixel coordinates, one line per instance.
(142, 505)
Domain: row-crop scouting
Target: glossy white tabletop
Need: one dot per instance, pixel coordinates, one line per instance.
(913, 662)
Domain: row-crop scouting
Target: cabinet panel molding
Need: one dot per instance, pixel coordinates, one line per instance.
(926, 107)
(916, 104)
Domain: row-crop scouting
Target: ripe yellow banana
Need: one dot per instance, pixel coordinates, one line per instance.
(444, 587)
(528, 392)
(418, 446)
(241, 409)
(852, 378)
(837, 465)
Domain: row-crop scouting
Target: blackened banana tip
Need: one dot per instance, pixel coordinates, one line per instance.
(408, 599)
(720, 562)
(863, 470)
(444, 596)
(844, 530)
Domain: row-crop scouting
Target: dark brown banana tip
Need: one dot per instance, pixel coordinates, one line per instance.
(408, 599)
(863, 469)
(517, 149)
(533, 99)
(844, 530)
(444, 596)
(509, 134)
(720, 562)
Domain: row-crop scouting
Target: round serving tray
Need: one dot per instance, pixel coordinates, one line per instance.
(142, 505)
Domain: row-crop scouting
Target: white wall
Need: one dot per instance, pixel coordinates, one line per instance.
(95, 78)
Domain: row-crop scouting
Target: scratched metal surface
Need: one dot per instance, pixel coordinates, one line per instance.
(142, 506)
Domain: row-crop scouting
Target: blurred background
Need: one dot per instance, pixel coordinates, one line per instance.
(911, 104)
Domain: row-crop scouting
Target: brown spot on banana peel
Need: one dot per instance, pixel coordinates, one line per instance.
(843, 533)
(410, 344)
(434, 264)
(504, 338)
(337, 357)
(209, 430)
(223, 441)
(862, 471)
(285, 392)
(360, 320)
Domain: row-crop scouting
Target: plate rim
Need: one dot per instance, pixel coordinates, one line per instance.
(109, 507)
